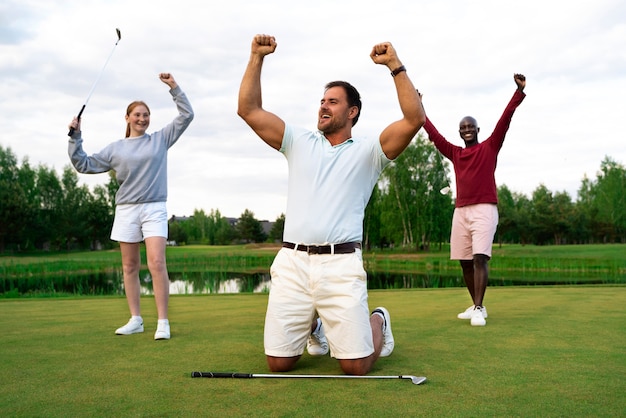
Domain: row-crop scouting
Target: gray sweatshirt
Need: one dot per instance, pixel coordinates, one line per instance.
(140, 163)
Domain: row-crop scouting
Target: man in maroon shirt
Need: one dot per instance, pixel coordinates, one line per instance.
(475, 216)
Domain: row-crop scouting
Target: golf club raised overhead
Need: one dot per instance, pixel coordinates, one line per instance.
(119, 38)
(416, 380)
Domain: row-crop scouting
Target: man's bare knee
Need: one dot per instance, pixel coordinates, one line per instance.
(357, 367)
(281, 364)
(480, 259)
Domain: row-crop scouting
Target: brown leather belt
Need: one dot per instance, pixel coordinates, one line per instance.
(343, 248)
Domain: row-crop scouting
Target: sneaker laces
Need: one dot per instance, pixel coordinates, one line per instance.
(316, 335)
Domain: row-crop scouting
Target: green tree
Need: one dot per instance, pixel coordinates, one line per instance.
(440, 206)
(372, 234)
(176, 231)
(609, 193)
(278, 228)
(413, 211)
(397, 216)
(73, 212)
(100, 214)
(199, 228)
(563, 209)
(13, 200)
(48, 226)
(249, 229)
(523, 218)
(506, 213)
(586, 213)
(541, 216)
(24, 233)
(223, 232)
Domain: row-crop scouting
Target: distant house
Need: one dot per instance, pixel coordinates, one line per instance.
(175, 218)
(267, 226)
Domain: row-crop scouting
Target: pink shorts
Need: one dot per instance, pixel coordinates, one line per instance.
(473, 229)
(332, 285)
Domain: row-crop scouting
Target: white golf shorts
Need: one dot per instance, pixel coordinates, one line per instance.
(334, 286)
(135, 222)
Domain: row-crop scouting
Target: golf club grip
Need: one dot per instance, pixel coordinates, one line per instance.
(71, 132)
(216, 374)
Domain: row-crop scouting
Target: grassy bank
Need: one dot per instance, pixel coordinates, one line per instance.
(546, 351)
(551, 262)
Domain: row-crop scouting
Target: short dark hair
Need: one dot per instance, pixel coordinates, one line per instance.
(354, 98)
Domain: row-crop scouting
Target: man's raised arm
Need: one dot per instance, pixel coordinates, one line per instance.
(265, 124)
(397, 136)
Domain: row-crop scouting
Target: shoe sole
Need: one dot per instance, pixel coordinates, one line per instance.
(388, 323)
(478, 324)
(162, 335)
(128, 333)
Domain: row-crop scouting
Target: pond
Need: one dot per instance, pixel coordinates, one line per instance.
(111, 283)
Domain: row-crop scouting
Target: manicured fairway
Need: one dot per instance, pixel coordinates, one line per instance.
(545, 352)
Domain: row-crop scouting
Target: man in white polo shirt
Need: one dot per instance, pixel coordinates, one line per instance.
(319, 270)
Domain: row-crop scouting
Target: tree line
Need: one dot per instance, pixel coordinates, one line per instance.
(41, 211)
(410, 207)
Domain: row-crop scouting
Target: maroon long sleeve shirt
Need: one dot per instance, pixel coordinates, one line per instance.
(475, 167)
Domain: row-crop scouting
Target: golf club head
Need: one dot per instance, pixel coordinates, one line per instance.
(416, 380)
(119, 34)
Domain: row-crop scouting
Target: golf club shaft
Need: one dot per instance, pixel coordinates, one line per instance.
(93, 87)
(220, 374)
(414, 379)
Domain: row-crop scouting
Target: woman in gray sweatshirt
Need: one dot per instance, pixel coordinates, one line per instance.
(140, 165)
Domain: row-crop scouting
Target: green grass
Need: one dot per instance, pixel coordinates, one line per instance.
(545, 352)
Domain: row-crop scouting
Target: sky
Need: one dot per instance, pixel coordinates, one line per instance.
(460, 55)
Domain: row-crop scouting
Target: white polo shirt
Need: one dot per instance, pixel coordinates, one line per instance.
(329, 187)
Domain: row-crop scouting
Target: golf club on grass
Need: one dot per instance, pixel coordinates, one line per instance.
(416, 380)
(119, 37)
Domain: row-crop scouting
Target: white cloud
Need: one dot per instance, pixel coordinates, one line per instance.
(462, 56)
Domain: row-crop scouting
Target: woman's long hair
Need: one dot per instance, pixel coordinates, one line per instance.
(129, 109)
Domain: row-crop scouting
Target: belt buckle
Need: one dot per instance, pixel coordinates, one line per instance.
(312, 249)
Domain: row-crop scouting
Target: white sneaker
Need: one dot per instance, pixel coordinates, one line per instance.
(388, 342)
(133, 326)
(317, 345)
(163, 331)
(478, 317)
(467, 314)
